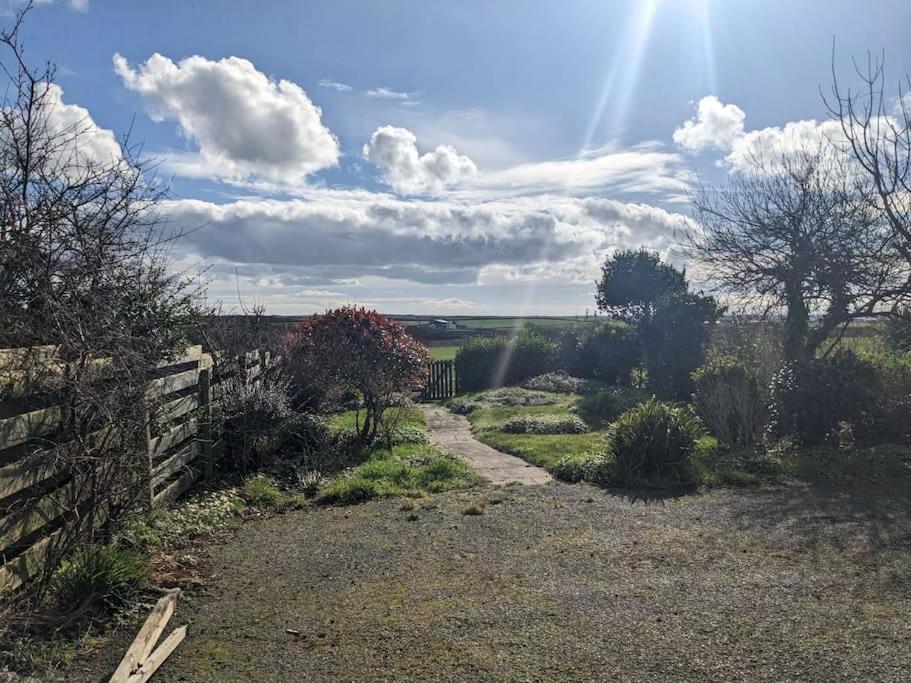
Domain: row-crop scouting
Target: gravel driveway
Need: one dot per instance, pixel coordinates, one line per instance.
(562, 582)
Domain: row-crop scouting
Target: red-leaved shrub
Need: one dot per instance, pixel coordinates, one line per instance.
(353, 350)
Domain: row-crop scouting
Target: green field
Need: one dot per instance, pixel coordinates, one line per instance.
(443, 352)
(496, 323)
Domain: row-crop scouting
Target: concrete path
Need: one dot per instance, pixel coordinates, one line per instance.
(452, 433)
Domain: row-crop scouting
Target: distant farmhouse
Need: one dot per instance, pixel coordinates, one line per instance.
(442, 324)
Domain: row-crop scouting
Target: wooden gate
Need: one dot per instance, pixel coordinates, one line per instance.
(441, 380)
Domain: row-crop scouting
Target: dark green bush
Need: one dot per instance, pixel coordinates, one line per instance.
(609, 353)
(653, 445)
(575, 468)
(605, 405)
(675, 338)
(98, 580)
(483, 362)
(254, 417)
(898, 331)
(544, 424)
(729, 401)
(815, 400)
(893, 388)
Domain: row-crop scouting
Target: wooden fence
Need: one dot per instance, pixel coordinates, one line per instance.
(441, 380)
(37, 498)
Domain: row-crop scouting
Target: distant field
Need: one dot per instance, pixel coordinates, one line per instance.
(495, 323)
(443, 352)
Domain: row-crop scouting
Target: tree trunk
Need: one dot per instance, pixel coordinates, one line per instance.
(797, 324)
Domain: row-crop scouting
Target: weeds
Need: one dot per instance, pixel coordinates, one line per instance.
(99, 580)
(261, 491)
(426, 470)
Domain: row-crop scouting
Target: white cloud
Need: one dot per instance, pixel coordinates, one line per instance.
(335, 237)
(715, 126)
(395, 152)
(646, 169)
(385, 93)
(77, 5)
(773, 143)
(80, 140)
(334, 85)
(244, 124)
(319, 293)
(720, 126)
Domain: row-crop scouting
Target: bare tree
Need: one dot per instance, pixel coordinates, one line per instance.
(85, 270)
(877, 134)
(796, 234)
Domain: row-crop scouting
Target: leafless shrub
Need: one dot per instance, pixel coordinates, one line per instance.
(254, 386)
(877, 135)
(796, 234)
(84, 268)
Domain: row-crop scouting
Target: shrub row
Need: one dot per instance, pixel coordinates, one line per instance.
(484, 362)
(505, 396)
(559, 383)
(544, 424)
(838, 399)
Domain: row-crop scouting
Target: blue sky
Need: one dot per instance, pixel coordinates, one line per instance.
(446, 157)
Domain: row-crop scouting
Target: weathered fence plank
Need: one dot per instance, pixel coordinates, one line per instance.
(19, 429)
(173, 490)
(184, 398)
(160, 445)
(163, 471)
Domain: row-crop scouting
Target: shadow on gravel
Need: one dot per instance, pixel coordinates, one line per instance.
(650, 496)
(867, 518)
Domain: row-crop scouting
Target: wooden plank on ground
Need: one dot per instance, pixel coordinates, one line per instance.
(157, 658)
(145, 640)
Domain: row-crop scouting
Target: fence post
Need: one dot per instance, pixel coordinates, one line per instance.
(205, 424)
(150, 464)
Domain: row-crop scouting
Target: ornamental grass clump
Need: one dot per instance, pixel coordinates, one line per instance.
(653, 445)
(98, 580)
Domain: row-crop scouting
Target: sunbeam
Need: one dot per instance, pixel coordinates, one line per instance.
(613, 103)
(708, 48)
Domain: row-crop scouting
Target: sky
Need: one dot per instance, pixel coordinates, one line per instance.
(444, 158)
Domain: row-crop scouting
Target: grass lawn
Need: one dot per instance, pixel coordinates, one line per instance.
(715, 467)
(443, 352)
(411, 417)
(543, 450)
(410, 468)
